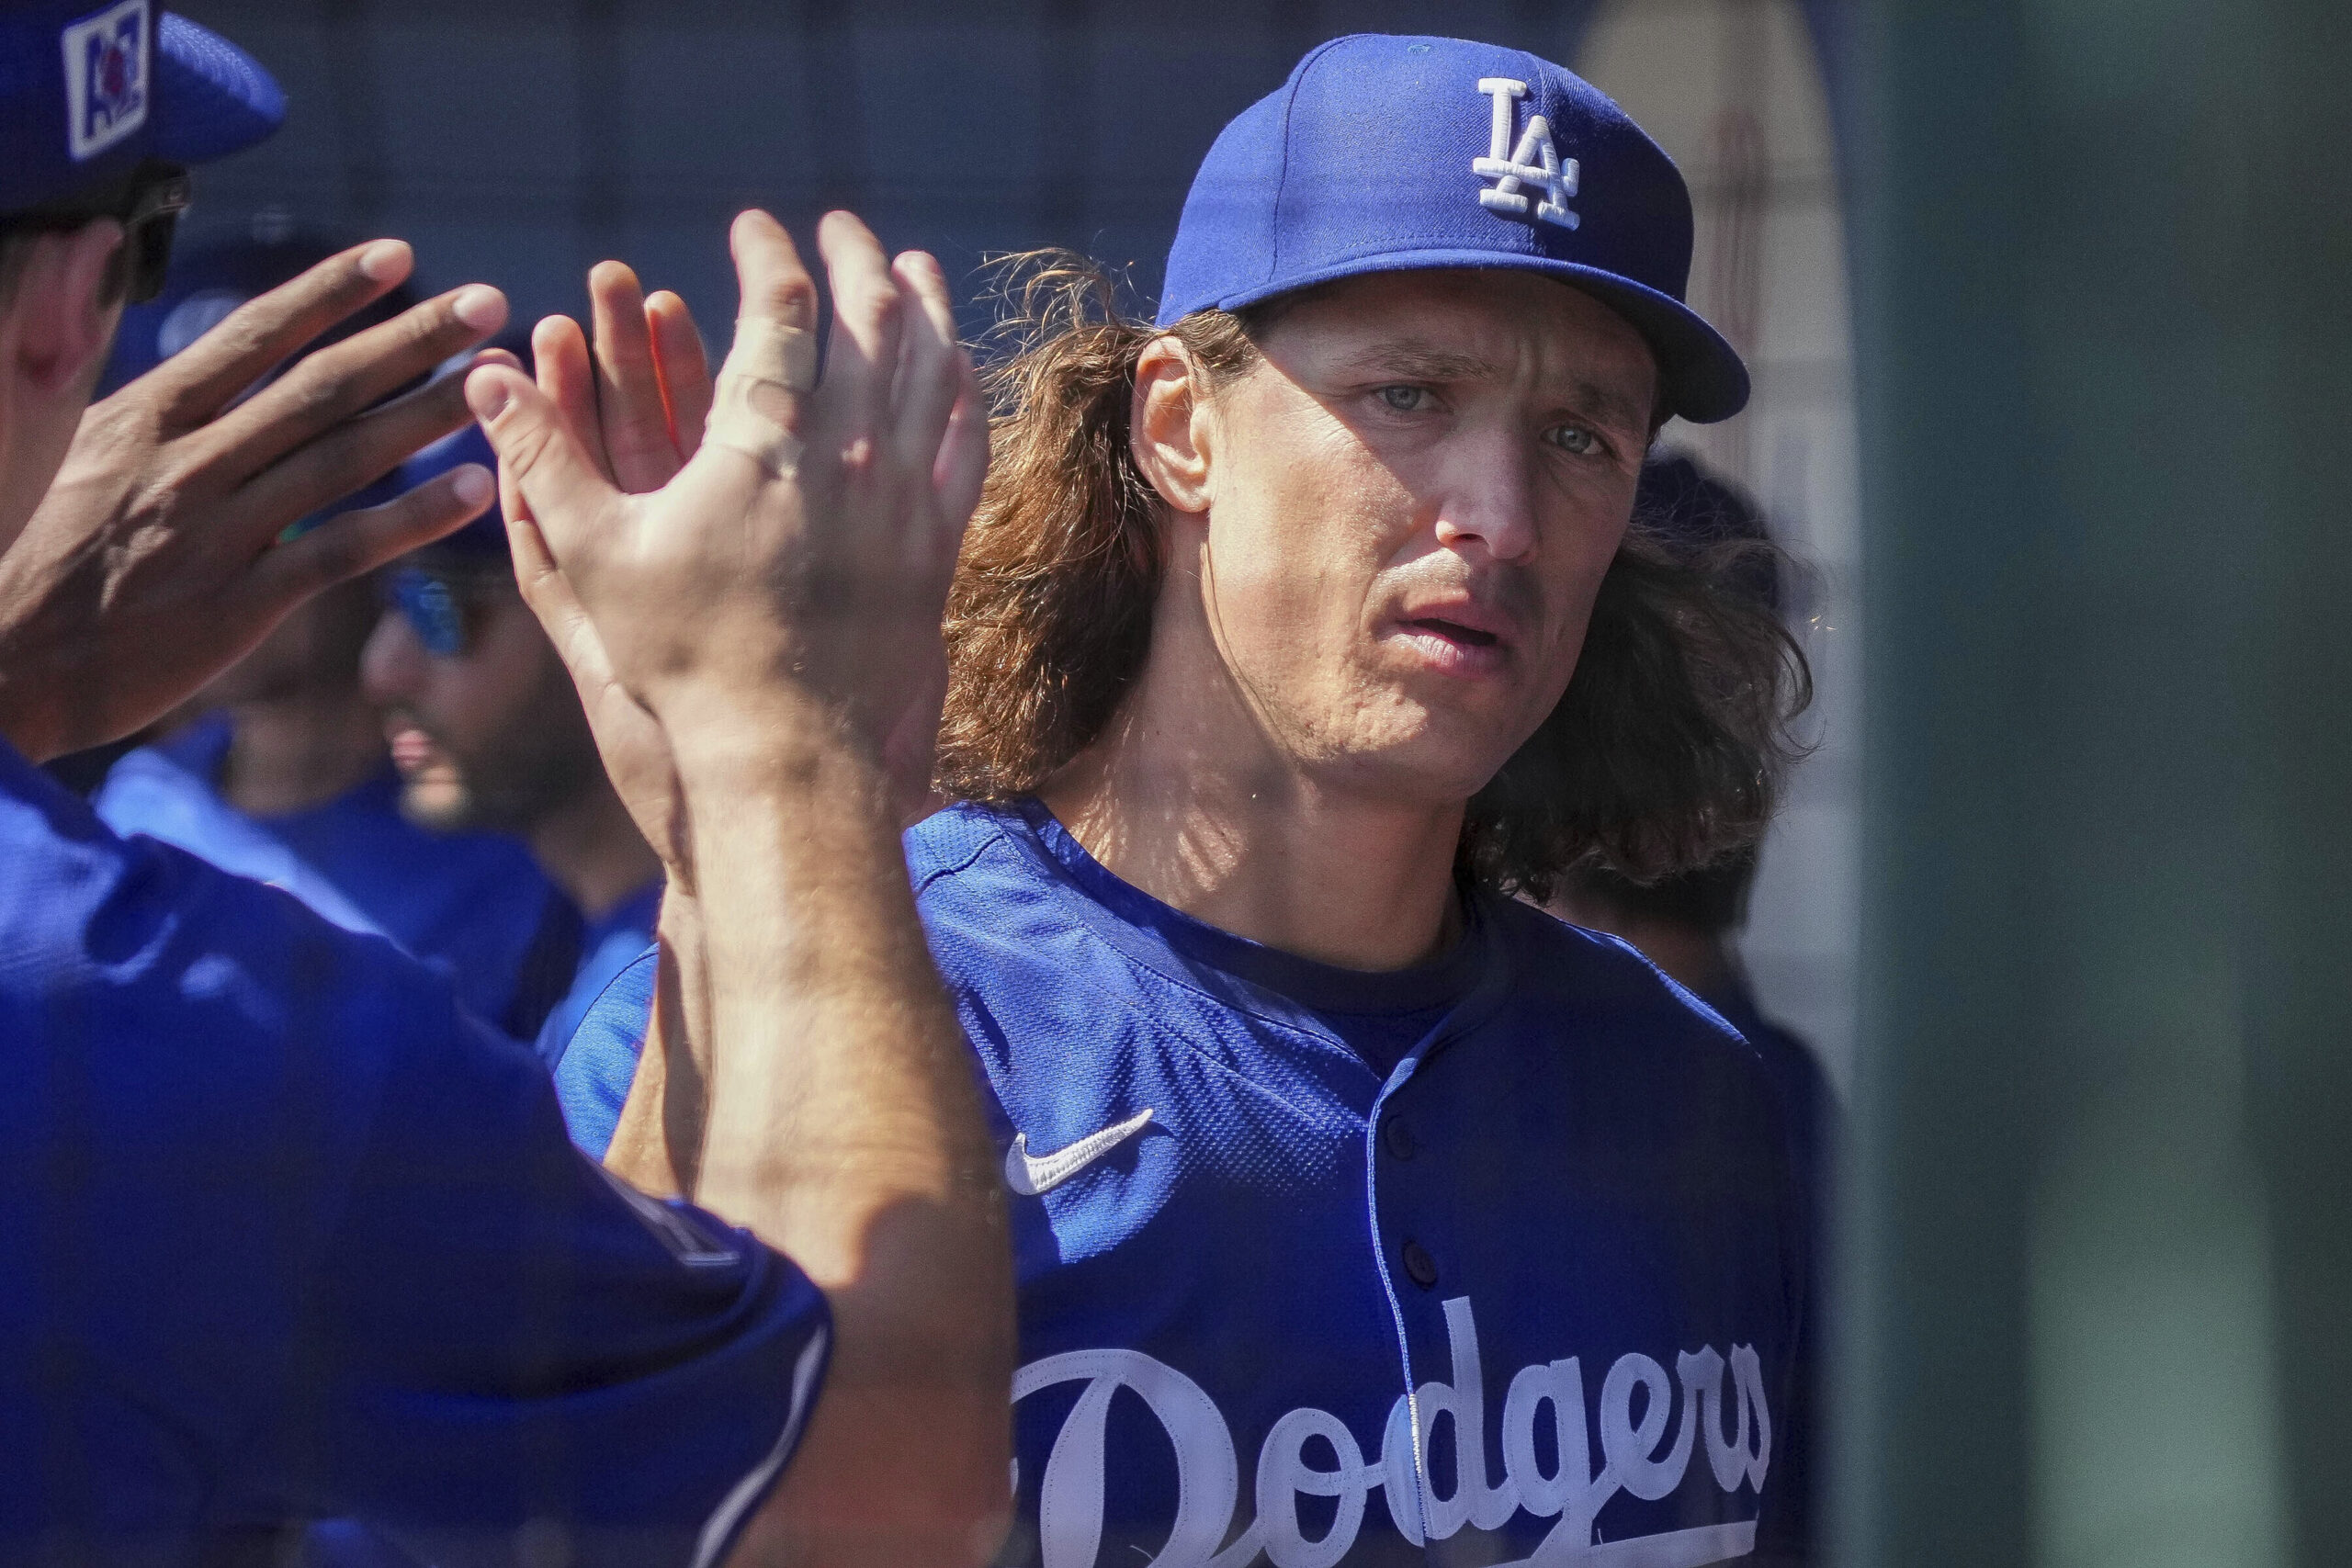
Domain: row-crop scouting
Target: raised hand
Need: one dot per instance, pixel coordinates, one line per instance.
(804, 547)
(636, 405)
(774, 606)
(154, 563)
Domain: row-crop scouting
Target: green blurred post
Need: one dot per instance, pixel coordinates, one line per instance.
(2100, 1232)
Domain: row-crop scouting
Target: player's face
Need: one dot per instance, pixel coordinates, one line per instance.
(1413, 501)
(487, 733)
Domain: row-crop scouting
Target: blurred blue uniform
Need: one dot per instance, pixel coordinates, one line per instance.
(473, 905)
(1527, 1212)
(284, 1231)
(291, 1234)
(607, 948)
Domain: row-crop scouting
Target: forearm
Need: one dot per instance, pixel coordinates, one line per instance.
(845, 1129)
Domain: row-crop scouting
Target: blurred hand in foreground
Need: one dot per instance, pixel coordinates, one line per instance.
(155, 563)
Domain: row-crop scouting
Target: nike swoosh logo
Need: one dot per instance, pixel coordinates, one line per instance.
(1032, 1176)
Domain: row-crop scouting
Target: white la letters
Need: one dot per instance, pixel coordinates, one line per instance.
(1534, 161)
(1071, 1496)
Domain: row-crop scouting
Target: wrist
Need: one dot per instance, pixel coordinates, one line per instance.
(771, 744)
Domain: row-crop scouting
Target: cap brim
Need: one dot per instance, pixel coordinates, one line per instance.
(1704, 377)
(213, 98)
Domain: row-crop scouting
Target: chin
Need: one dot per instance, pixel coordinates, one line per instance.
(438, 805)
(1441, 761)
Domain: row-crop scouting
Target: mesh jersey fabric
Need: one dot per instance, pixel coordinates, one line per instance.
(1557, 1252)
(291, 1234)
(473, 905)
(607, 946)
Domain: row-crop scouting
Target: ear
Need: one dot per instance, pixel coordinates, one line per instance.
(62, 326)
(1170, 423)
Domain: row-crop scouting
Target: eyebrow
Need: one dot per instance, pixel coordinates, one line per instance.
(1413, 360)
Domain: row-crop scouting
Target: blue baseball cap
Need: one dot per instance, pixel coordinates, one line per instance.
(90, 92)
(1391, 154)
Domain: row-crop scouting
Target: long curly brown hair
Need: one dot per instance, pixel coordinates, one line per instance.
(1663, 753)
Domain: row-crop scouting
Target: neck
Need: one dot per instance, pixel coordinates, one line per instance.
(589, 848)
(1256, 846)
(289, 754)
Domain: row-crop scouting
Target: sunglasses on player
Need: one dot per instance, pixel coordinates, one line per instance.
(147, 203)
(442, 603)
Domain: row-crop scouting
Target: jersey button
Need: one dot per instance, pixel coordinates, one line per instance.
(1400, 1138)
(1419, 1265)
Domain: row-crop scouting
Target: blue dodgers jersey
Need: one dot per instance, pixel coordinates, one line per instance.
(474, 906)
(1556, 1252)
(288, 1234)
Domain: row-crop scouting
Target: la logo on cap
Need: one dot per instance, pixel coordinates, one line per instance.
(1534, 161)
(106, 78)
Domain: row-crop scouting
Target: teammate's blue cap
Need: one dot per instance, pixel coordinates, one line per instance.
(1393, 154)
(90, 91)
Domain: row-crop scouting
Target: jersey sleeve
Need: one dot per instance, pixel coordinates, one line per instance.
(520, 1341)
(286, 1234)
(595, 1068)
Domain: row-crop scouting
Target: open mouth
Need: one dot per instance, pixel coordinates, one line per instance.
(1454, 631)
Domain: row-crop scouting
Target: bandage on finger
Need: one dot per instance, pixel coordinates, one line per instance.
(769, 365)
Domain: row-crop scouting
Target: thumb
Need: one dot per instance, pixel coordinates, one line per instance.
(560, 490)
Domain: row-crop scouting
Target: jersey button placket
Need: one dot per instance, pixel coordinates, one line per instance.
(1396, 1137)
(1420, 1266)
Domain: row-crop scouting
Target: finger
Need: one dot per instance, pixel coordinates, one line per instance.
(564, 494)
(775, 282)
(963, 465)
(685, 368)
(559, 353)
(338, 382)
(200, 380)
(757, 404)
(356, 542)
(356, 452)
(635, 425)
(931, 371)
(861, 356)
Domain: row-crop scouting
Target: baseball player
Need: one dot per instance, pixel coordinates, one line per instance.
(284, 776)
(286, 1232)
(487, 733)
(1361, 1212)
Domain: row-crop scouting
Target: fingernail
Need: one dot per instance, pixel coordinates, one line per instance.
(386, 261)
(471, 483)
(486, 394)
(480, 307)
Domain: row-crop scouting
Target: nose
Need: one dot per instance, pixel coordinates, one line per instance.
(1490, 496)
(391, 666)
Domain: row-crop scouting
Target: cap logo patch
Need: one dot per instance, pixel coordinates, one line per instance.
(106, 78)
(1533, 163)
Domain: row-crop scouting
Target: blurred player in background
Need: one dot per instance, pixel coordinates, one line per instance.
(489, 737)
(283, 775)
(1686, 923)
(284, 1230)
(1363, 1212)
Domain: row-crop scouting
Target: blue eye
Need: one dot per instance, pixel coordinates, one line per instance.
(1574, 439)
(1404, 400)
